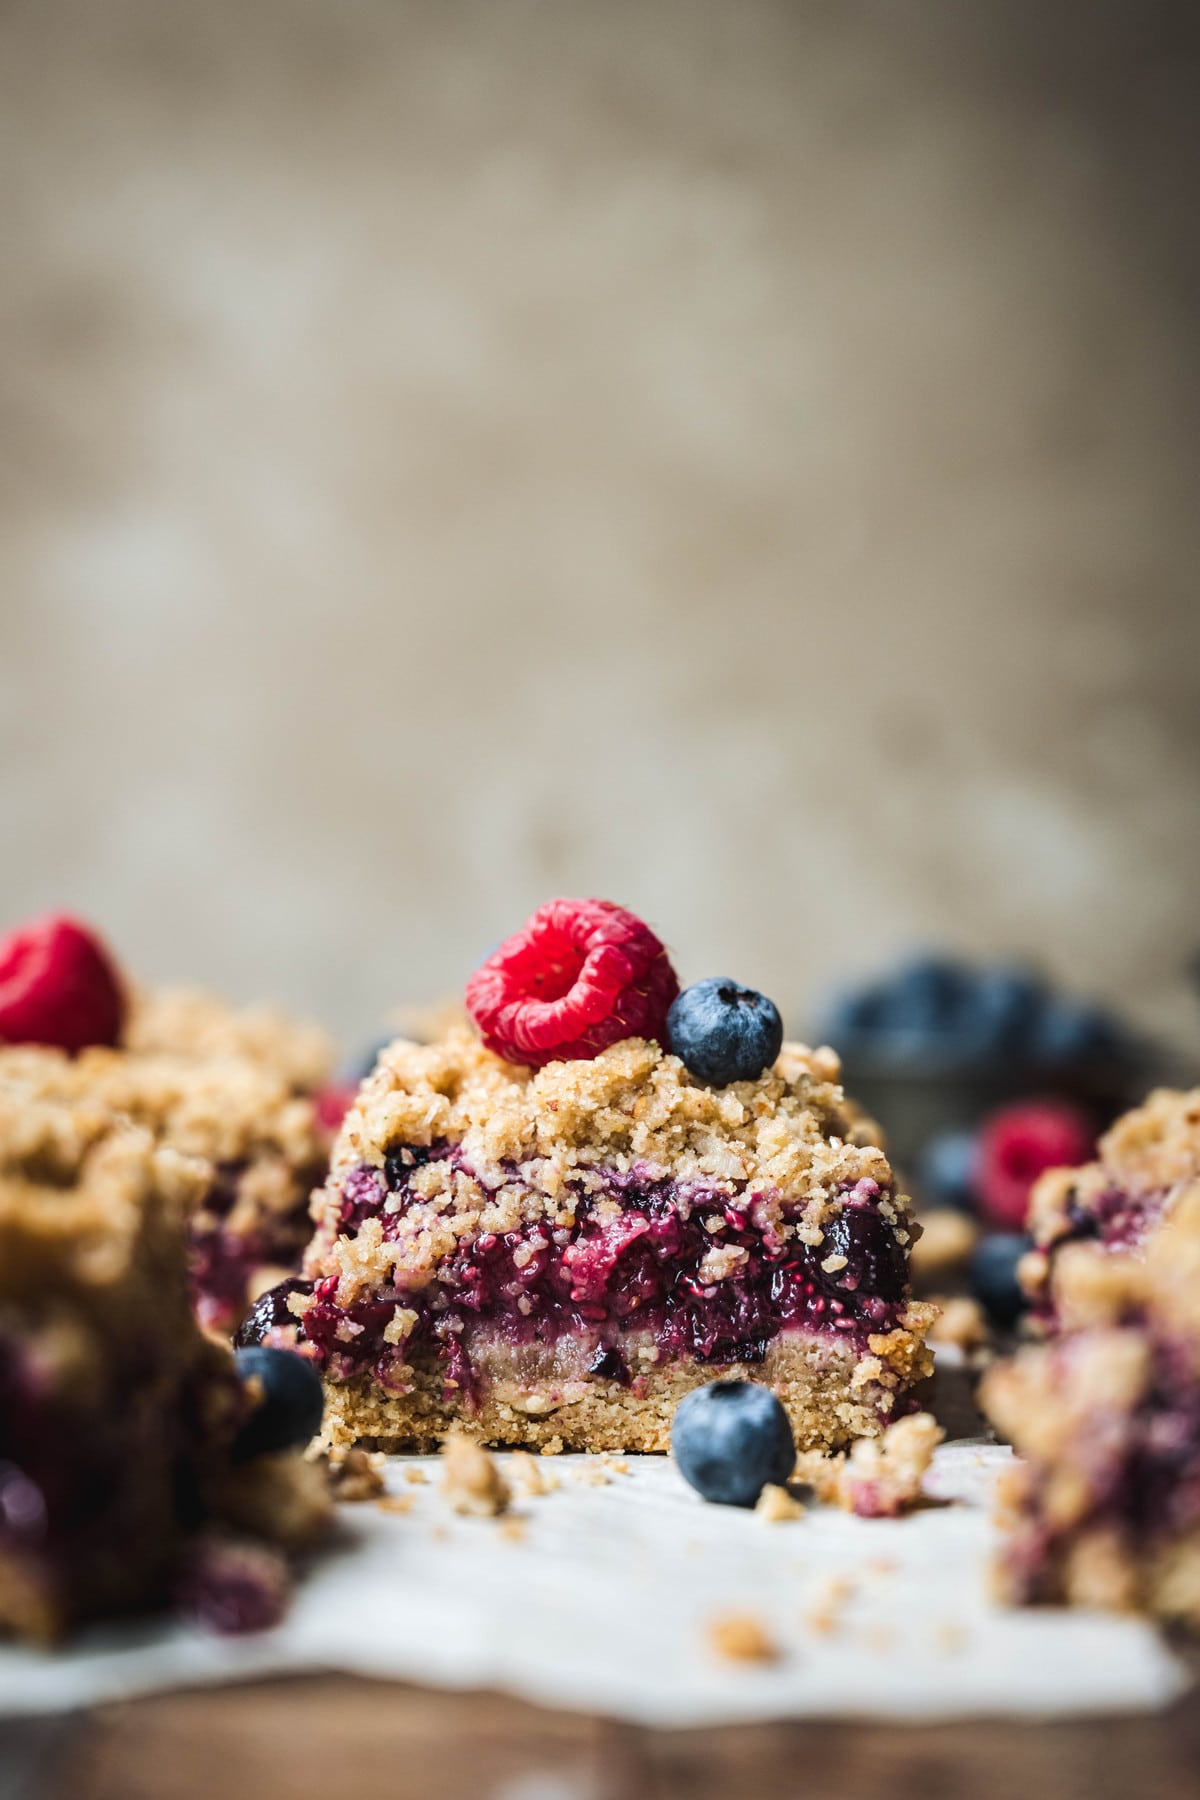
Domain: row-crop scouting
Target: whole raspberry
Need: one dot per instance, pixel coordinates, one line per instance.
(1017, 1144)
(58, 985)
(578, 976)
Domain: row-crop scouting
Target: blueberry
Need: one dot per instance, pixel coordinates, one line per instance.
(1071, 1032)
(874, 1259)
(946, 1170)
(724, 1032)
(269, 1310)
(926, 995)
(992, 1273)
(1006, 1007)
(291, 1405)
(730, 1439)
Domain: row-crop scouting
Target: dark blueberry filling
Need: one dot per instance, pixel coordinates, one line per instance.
(638, 1271)
(94, 1487)
(1118, 1219)
(1144, 1473)
(222, 1260)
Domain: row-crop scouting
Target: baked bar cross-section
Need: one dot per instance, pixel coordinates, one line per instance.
(555, 1257)
(1104, 1507)
(126, 1480)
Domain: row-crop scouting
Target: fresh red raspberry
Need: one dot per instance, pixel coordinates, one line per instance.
(1017, 1144)
(578, 976)
(58, 985)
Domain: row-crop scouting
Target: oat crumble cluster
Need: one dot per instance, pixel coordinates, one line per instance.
(560, 1254)
(120, 1484)
(254, 1141)
(1104, 1507)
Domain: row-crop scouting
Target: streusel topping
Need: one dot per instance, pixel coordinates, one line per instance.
(74, 1183)
(634, 1104)
(227, 1110)
(181, 1021)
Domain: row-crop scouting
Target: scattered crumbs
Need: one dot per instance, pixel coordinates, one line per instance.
(881, 1477)
(589, 1474)
(949, 1636)
(416, 1477)
(740, 1637)
(471, 1480)
(358, 1475)
(395, 1503)
(824, 1617)
(529, 1475)
(775, 1504)
(513, 1528)
(552, 1447)
(617, 1464)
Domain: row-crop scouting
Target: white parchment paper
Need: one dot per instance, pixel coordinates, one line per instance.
(604, 1601)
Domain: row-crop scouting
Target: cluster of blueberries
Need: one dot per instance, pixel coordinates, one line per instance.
(944, 1010)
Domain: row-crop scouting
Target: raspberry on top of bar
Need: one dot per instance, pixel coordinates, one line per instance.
(1147, 1162)
(553, 1255)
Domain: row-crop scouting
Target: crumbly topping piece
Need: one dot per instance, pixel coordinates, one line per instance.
(741, 1637)
(182, 1021)
(471, 1479)
(357, 1475)
(529, 1475)
(881, 1477)
(775, 1505)
(947, 1240)
(229, 1110)
(961, 1322)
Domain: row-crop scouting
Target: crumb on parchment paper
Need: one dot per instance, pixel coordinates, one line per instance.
(741, 1637)
(471, 1479)
(881, 1477)
(529, 1475)
(357, 1475)
(775, 1505)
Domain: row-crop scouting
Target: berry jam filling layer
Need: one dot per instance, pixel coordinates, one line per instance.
(1117, 1220)
(222, 1258)
(681, 1269)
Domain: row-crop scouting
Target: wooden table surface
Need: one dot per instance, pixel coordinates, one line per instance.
(337, 1738)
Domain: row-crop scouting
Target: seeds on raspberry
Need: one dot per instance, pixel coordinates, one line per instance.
(59, 986)
(579, 975)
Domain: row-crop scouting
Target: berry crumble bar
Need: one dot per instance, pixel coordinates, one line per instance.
(258, 1141)
(552, 1251)
(1147, 1161)
(1104, 1508)
(121, 1486)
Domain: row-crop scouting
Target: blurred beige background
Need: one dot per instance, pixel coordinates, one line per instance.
(740, 459)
